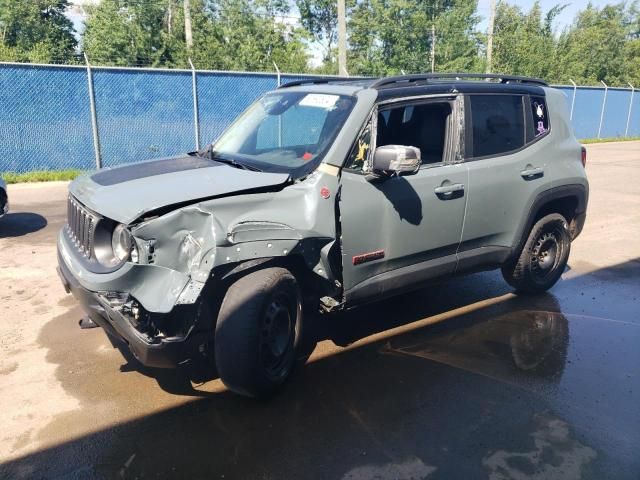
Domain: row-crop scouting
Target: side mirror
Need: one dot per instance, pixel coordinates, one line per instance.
(396, 160)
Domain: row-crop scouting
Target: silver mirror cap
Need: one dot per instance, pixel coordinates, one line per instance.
(396, 159)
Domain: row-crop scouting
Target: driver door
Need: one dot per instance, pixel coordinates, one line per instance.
(399, 231)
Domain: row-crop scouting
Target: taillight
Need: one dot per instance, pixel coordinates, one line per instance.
(584, 157)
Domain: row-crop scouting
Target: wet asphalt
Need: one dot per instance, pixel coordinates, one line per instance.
(463, 379)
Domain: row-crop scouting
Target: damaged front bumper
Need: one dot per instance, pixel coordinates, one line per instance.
(108, 312)
(157, 288)
(114, 313)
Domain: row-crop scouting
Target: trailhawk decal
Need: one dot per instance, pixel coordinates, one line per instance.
(368, 257)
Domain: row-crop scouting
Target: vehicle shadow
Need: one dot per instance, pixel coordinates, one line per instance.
(21, 223)
(472, 387)
(403, 197)
(178, 381)
(443, 303)
(348, 327)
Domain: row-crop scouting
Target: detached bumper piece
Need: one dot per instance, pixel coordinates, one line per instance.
(118, 317)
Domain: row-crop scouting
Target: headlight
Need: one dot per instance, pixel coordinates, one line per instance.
(121, 243)
(113, 244)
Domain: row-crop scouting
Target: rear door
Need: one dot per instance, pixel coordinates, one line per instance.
(505, 144)
(398, 231)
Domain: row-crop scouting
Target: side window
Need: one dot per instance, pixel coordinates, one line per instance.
(417, 125)
(540, 116)
(497, 124)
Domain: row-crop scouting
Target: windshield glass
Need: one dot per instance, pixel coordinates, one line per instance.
(284, 131)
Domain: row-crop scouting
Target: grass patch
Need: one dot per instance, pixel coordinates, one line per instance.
(609, 139)
(40, 176)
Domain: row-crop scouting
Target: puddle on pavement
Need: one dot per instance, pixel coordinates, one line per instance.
(522, 347)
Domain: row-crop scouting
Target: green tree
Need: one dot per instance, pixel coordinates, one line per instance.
(320, 19)
(458, 42)
(592, 48)
(249, 35)
(390, 36)
(632, 46)
(524, 42)
(135, 32)
(227, 34)
(36, 31)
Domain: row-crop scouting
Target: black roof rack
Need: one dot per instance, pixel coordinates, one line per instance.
(425, 77)
(407, 80)
(319, 81)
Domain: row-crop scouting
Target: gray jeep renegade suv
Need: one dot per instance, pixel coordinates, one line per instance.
(323, 195)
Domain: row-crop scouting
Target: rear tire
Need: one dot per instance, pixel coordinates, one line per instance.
(258, 331)
(543, 257)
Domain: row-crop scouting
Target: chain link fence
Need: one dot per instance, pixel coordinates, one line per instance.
(46, 112)
(44, 119)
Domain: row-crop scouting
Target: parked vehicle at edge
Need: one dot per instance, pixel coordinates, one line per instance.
(4, 198)
(324, 195)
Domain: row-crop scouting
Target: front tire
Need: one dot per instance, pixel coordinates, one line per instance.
(258, 331)
(543, 258)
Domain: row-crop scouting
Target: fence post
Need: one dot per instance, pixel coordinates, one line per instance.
(94, 115)
(604, 102)
(626, 131)
(277, 74)
(196, 115)
(573, 100)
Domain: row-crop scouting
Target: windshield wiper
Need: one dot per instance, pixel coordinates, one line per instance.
(215, 156)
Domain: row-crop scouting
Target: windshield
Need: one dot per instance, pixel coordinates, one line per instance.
(284, 131)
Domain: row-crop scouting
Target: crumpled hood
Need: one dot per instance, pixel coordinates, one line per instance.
(125, 193)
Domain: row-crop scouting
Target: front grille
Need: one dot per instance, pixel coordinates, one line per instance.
(81, 224)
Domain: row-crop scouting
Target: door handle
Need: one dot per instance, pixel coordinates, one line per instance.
(531, 173)
(447, 192)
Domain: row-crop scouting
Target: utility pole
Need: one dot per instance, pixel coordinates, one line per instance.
(433, 36)
(433, 47)
(188, 34)
(492, 21)
(342, 39)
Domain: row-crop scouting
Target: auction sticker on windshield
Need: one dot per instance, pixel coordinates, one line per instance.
(319, 100)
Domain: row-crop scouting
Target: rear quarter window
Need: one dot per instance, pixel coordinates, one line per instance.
(540, 116)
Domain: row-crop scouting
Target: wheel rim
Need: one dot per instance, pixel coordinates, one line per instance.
(277, 336)
(546, 255)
